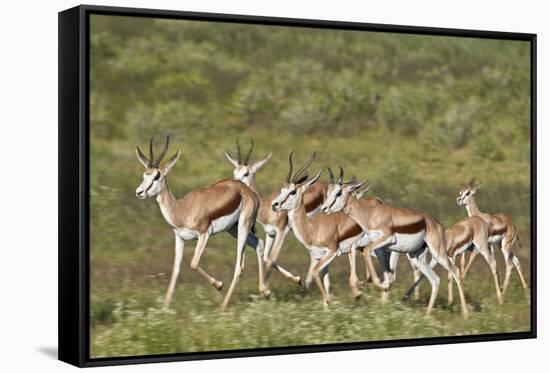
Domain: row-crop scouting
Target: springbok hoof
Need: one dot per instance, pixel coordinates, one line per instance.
(265, 293)
(297, 280)
(218, 285)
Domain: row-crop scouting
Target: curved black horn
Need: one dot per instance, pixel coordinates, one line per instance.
(239, 152)
(341, 177)
(249, 152)
(304, 168)
(142, 156)
(151, 152)
(163, 152)
(331, 175)
(289, 167)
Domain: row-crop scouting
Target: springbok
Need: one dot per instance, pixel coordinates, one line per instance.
(323, 235)
(275, 224)
(397, 229)
(389, 264)
(470, 234)
(501, 231)
(225, 206)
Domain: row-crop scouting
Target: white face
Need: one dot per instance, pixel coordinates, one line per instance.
(246, 172)
(150, 186)
(286, 200)
(243, 173)
(464, 196)
(337, 196)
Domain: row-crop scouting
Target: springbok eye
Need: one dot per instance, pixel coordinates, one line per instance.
(157, 176)
(339, 193)
(246, 174)
(293, 192)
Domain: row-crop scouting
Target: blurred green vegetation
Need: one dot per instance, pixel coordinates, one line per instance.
(418, 115)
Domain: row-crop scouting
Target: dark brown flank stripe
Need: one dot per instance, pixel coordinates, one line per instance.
(497, 231)
(313, 203)
(410, 228)
(463, 242)
(227, 208)
(350, 231)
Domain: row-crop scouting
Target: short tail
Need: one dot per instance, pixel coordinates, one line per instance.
(518, 241)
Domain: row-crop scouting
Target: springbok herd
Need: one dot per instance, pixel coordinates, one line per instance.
(329, 220)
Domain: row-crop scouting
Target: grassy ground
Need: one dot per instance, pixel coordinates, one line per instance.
(127, 318)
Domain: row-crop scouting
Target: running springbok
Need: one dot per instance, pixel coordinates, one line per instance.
(470, 234)
(225, 206)
(397, 229)
(275, 224)
(323, 235)
(501, 231)
(388, 263)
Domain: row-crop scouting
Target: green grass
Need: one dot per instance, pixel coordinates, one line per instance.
(127, 317)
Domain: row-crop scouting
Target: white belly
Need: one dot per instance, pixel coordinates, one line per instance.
(187, 234)
(269, 229)
(400, 242)
(406, 243)
(462, 249)
(495, 239)
(223, 223)
(360, 240)
(317, 252)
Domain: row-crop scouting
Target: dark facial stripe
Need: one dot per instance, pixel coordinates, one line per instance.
(152, 182)
(284, 200)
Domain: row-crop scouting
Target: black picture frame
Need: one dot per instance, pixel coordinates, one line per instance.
(74, 287)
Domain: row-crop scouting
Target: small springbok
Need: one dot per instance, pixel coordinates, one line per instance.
(397, 229)
(470, 234)
(225, 206)
(325, 236)
(275, 223)
(501, 231)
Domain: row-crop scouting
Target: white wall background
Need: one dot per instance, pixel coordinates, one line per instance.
(28, 210)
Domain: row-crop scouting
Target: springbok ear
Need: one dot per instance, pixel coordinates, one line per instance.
(170, 163)
(259, 164)
(230, 159)
(311, 181)
(356, 186)
(360, 191)
(474, 185)
(142, 158)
